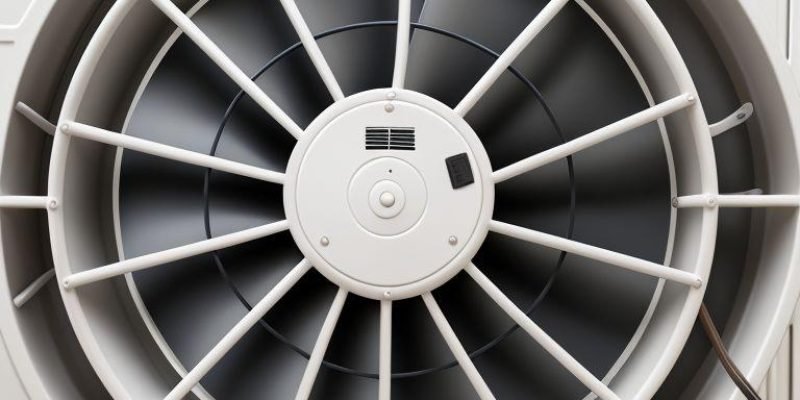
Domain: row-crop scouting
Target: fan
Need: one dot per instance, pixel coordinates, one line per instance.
(361, 199)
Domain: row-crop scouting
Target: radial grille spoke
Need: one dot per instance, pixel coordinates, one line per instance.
(385, 352)
(170, 152)
(596, 253)
(509, 55)
(26, 294)
(174, 254)
(599, 136)
(455, 346)
(737, 200)
(227, 65)
(550, 345)
(315, 361)
(403, 39)
(25, 202)
(312, 48)
(31, 115)
(238, 331)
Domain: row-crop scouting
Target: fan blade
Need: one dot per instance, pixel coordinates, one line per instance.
(261, 32)
(176, 189)
(260, 365)
(191, 306)
(261, 29)
(183, 102)
(237, 203)
(361, 59)
(419, 345)
(436, 64)
(354, 345)
(187, 96)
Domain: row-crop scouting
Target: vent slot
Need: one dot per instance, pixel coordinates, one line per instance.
(389, 138)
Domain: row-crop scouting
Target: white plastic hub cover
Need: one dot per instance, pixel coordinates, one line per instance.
(372, 203)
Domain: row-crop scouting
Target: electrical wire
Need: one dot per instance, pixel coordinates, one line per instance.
(722, 353)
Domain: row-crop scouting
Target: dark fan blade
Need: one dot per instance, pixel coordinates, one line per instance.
(417, 342)
(257, 367)
(290, 79)
(516, 367)
(261, 365)
(254, 268)
(588, 311)
(323, 15)
(247, 134)
(190, 305)
(354, 345)
(161, 207)
(436, 63)
(361, 59)
(237, 203)
(591, 316)
(261, 30)
(573, 65)
(418, 345)
(160, 204)
(187, 97)
(184, 101)
(494, 24)
(355, 341)
(299, 316)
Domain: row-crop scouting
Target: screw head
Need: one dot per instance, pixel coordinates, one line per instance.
(389, 108)
(452, 240)
(324, 241)
(52, 204)
(391, 95)
(387, 294)
(741, 116)
(675, 202)
(65, 128)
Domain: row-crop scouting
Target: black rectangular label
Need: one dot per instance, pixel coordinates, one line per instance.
(460, 170)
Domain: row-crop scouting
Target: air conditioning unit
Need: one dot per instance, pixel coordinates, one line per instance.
(399, 199)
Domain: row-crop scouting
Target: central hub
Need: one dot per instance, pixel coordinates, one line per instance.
(389, 193)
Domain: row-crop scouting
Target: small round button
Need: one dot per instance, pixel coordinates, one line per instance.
(387, 199)
(387, 196)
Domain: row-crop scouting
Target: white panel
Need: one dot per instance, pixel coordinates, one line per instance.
(11, 12)
(794, 39)
(9, 382)
(783, 377)
(781, 371)
(763, 14)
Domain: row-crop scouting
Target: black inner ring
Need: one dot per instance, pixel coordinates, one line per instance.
(475, 353)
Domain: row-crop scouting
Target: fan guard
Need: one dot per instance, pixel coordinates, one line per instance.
(380, 230)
